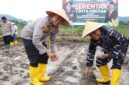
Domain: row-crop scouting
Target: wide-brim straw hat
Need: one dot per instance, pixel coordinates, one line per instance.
(90, 27)
(60, 13)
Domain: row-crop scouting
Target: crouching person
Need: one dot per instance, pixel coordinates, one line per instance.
(114, 46)
(33, 34)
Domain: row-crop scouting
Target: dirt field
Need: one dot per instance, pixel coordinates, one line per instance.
(66, 71)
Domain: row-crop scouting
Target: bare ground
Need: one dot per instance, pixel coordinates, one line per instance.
(66, 71)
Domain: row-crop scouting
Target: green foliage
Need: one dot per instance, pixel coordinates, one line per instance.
(76, 31)
(124, 29)
(72, 30)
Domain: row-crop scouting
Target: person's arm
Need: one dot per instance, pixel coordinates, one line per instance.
(37, 35)
(91, 53)
(90, 58)
(53, 42)
(53, 47)
(122, 44)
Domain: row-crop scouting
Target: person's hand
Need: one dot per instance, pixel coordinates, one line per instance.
(86, 72)
(53, 56)
(103, 56)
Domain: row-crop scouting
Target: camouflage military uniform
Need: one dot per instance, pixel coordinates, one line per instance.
(113, 43)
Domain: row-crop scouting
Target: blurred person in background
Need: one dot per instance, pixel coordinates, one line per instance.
(15, 34)
(7, 29)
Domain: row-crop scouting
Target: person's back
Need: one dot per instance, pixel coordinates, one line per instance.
(28, 30)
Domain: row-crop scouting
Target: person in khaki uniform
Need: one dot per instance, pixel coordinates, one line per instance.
(33, 34)
(7, 28)
(14, 35)
(115, 46)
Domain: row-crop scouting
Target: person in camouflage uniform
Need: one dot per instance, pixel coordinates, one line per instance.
(114, 46)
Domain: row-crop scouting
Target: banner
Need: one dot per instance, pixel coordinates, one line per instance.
(103, 11)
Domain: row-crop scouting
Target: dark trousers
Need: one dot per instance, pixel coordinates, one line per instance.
(7, 39)
(117, 62)
(33, 54)
(14, 37)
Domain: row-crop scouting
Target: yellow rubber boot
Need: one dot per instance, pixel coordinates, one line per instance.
(15, 42)
(34, 76)
(116, 73)
(11, 43)
(105, 75)
(42, 71)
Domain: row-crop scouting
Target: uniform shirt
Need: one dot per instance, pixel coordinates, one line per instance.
(114, 43)
(15, 29)
(6, 28)
(34, 31)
